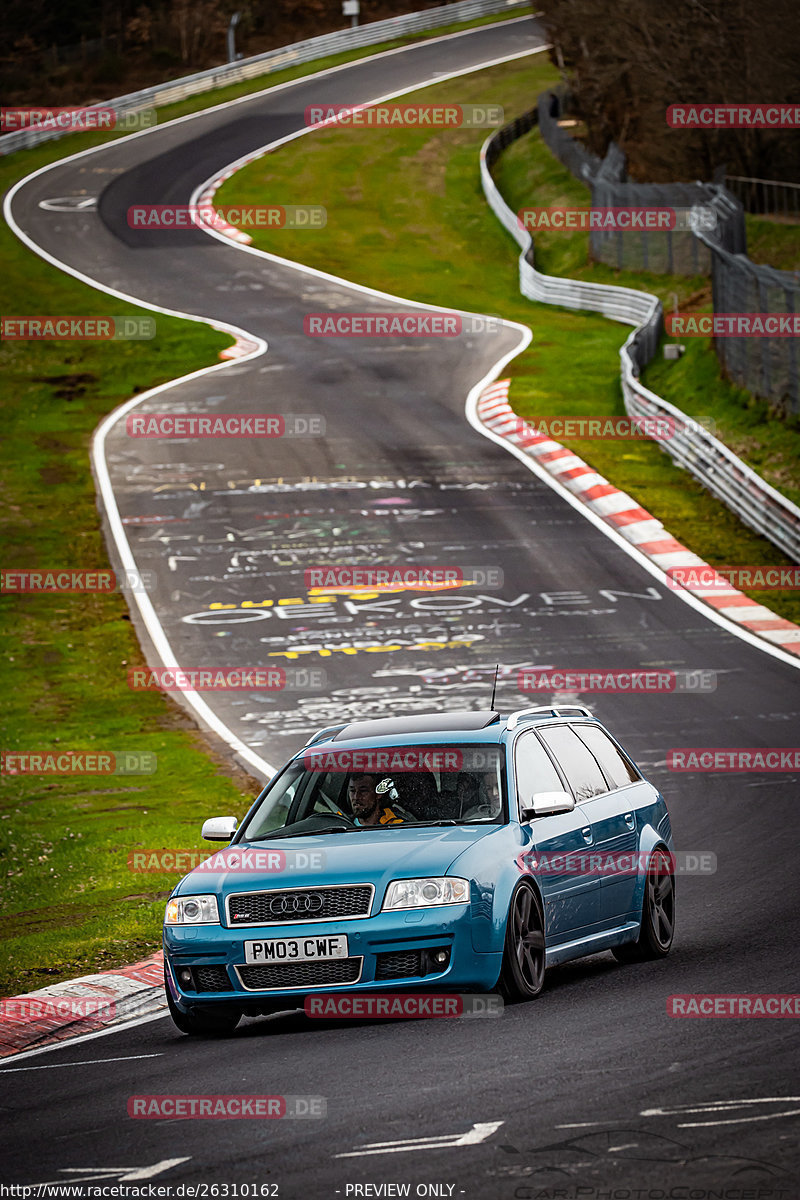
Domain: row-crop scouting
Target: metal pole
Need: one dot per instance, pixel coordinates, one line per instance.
(234, 21)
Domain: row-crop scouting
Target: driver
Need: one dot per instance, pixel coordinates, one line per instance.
(367, 794)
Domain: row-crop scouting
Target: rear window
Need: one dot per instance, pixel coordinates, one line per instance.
(576, 761)
(618, 768)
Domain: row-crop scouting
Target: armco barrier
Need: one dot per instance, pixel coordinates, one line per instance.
(671, 252)
(276, 60)
(769, 367)
(757, 504)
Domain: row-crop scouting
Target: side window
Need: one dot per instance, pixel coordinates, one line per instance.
(576, 761)
(610, 757)
(535, 771)
(329, 795)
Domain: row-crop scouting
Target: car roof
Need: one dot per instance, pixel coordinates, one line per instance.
(452, 722)
(483, 725)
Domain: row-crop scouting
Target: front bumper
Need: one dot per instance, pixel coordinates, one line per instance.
(389, 951)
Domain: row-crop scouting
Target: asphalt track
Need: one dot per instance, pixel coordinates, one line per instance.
(593, 1086)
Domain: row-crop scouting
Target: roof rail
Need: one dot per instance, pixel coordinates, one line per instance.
(564, 710)
(322, 734)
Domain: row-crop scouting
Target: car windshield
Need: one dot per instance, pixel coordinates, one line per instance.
(384, 788)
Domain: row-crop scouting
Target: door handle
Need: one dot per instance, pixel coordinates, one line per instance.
(630, 820)
(587, 833)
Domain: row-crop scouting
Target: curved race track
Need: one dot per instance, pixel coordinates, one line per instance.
(594, 1084)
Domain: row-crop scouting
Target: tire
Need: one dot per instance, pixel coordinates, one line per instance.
(202, 1023)
(658, 914)
(522, 973)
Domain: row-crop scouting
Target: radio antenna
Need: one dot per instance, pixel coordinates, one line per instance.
(494, 686)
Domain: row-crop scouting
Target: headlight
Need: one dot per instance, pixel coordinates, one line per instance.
(423, 893)
(192, 910)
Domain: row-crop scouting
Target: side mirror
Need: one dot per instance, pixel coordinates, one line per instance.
(219, 829)
(546, 804)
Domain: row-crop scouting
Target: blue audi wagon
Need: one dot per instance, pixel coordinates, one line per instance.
(448, 852)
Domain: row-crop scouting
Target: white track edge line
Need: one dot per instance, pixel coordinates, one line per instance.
(84, 1037)
(471, 412)
(147, 612)
(275, 87)
(471, 404)
(630, 549)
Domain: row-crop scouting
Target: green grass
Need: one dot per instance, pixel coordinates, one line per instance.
(234, 91)
(774, 242)
(694, 383)
(71, 904)
(406, 214)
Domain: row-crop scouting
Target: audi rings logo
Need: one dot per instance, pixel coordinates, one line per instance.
(301, 904)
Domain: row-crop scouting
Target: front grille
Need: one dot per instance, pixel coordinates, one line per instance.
(399, 964)
(300, 905)
(212, 979)
(258, 978)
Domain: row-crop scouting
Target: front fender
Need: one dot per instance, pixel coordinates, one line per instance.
(492, 867)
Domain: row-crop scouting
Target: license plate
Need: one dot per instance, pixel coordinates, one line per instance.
(303, 949)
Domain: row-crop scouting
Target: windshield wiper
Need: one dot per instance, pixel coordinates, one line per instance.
(309, 832)
(428, 824)
(349, 828)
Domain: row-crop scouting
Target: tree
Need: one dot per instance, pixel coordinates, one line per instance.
(628, 60)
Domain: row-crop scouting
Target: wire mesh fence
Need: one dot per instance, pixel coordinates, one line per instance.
(766, 365)
(662, 251)
(770, 197)
(713, 243)
(691, 446)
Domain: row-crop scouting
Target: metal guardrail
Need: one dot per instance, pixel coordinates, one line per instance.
(691, 446)
(767, 366)
(770, 197)
(671, 252)
(276, 60)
